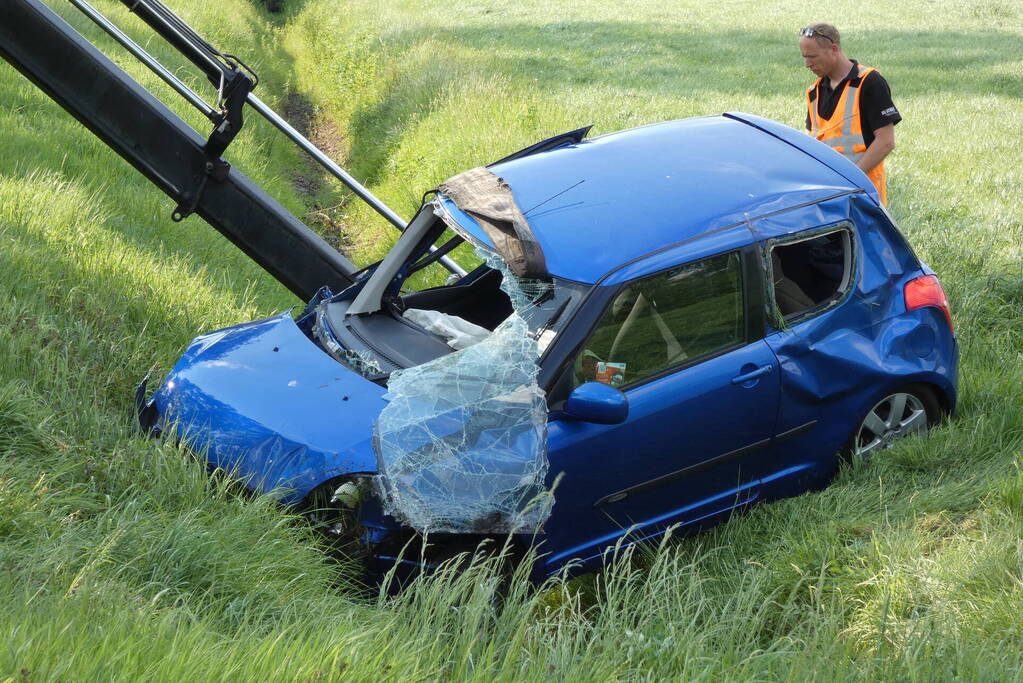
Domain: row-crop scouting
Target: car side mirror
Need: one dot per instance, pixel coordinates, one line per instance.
(597, 402)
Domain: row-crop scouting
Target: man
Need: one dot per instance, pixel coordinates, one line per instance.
(850, 106)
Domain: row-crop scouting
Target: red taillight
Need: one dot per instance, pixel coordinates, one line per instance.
(926, 291)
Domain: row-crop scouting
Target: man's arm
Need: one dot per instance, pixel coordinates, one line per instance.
(883, 144)
(879, 116)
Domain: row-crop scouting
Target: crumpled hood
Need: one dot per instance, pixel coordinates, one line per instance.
(264, 402)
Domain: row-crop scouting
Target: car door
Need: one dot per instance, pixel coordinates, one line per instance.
(685, 347)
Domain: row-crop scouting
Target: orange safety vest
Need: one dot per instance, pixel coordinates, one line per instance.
(843, 132)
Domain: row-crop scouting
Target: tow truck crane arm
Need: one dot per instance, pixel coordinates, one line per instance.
(171, 154)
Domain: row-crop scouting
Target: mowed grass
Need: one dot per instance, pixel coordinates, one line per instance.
(121, 559)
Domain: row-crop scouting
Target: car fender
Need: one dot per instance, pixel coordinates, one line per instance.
(266, 404)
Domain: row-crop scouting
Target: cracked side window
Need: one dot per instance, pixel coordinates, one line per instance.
(666, 320)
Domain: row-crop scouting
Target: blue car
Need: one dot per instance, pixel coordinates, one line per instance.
(663, 325)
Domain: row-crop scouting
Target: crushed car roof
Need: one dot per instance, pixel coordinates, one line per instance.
(595, 205)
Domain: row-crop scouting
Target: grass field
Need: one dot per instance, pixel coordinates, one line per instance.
(121, 559)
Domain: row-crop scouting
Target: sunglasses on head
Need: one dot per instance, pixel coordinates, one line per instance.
(810, 32)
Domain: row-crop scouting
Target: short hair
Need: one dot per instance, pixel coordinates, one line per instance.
(824, 34)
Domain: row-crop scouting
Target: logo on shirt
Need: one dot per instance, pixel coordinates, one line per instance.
(890, 111)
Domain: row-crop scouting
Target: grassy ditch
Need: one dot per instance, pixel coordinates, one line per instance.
(121, 559)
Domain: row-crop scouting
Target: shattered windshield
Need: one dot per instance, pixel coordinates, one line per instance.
(461, 443)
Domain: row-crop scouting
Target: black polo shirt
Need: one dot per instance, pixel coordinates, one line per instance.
(876, 107)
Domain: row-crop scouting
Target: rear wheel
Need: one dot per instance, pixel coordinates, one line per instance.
(909, 410)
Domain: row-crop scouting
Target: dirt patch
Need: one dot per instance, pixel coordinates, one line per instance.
(325, 135)
(310, 179)
(299, 112)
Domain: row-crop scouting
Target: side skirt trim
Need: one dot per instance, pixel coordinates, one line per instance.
(681, 474)
(795, 431)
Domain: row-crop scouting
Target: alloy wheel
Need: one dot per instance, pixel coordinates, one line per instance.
(894, 416)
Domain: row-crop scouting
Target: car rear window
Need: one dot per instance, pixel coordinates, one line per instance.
(665, 321)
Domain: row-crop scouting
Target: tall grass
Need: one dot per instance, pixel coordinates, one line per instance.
(122, 559)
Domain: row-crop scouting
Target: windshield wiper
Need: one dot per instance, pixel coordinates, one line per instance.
(554, 317)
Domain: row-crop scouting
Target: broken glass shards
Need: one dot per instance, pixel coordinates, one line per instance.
(361, 362)
(461, 445)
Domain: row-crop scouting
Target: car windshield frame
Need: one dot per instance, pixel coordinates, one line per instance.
(553, 300)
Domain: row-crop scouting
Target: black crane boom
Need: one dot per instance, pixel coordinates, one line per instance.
(165, 149)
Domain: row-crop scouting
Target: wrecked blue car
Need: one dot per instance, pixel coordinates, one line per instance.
(648, 329)
(658, 327)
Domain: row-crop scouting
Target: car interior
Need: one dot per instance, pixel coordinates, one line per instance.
(665, 320)
(373, 325)
(481, 301)
(810, 273)
(396, 342)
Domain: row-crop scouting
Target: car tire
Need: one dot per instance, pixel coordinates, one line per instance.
(907, 410)
(334, 523)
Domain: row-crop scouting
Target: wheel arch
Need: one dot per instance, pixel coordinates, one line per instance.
(942, 390)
